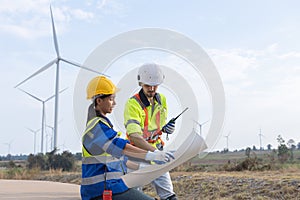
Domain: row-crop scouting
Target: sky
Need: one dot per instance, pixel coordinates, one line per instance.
(254, 45)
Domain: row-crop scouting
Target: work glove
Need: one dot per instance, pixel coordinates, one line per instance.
(169, 128)
(159, 157)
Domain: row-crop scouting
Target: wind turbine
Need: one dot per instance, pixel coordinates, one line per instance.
(200, 125)
(227, 140)
(8, 146)
(34, 138)
(52, 134)
(56, 60)
(260, 141)
(43, 113)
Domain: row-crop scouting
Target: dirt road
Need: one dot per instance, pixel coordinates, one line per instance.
(42, 190)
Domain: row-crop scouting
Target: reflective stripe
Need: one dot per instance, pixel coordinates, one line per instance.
(138, 99)
(98, 159)
(89, 126)
(100, 178)
(92, 123)
(148, 135)
(109, 142)
(132, 121)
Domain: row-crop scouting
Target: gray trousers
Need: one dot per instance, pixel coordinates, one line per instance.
(163, 186)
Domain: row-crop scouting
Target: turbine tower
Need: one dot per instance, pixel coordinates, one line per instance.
(56, 60)
(43, 113)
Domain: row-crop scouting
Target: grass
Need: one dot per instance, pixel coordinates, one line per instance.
(36, 174)
(206, 178)
(18, 173)
(237, 185)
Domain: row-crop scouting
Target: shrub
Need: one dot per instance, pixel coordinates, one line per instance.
(64, 161)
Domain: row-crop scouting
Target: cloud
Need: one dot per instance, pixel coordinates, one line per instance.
(260, 69)
(29, 29)
(262, 89)
(290, 55)
(111, 7)
(31, 19)
(102, 3)
(233, 64)
(23, 18)
(272, 48)
(82, 15)
(22, 6)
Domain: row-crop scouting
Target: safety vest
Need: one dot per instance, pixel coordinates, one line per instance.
(103, 170)
(158, 116)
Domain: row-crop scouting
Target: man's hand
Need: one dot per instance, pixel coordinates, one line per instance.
(159, 157)
(169, 128)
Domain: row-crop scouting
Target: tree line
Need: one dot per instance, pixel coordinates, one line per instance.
(51, 160)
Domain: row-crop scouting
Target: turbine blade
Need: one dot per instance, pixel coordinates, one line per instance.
(49, 126)
(196, 122)
(54, 95)
(83, 67)
(205, 122)
(30, 129)
(39, 71)
(31, 95)
(54, 34)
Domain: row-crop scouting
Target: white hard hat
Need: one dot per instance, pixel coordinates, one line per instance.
(150, 74)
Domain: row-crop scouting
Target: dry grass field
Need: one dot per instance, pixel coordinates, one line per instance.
(279, 184)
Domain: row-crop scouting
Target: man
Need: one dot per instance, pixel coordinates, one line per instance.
(105, 153)
(145, 117)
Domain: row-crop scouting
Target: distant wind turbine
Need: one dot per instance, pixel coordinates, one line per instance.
(8, 146)
(43, 113)
(34, 138)
(56, 60)
(52, 133)
(260, 140)
(200, 125)
(227, 139)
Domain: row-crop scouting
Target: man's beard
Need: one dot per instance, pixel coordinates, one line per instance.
(150, 94)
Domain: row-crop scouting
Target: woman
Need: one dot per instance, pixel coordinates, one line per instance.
(105, 153)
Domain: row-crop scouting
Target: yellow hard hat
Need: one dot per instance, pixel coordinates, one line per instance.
(100, 85)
